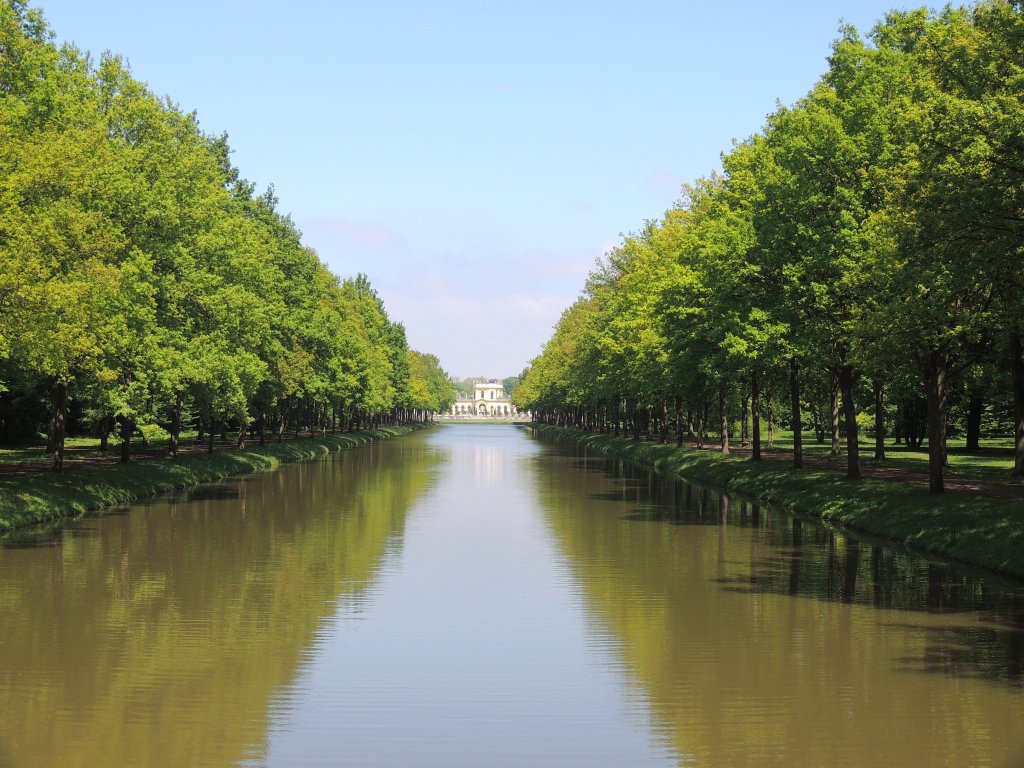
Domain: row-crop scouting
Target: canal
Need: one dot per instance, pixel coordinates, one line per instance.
(474, 595)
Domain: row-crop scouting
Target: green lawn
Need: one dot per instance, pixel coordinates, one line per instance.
(993, 462)
(89, 447)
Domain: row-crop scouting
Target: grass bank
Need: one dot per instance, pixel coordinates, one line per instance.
(979, 531)
(43, 497)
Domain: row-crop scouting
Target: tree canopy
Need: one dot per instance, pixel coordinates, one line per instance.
(145, 285)
(869, 236)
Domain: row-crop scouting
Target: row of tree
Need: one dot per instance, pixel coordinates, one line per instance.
(144, 285)
(865, 247)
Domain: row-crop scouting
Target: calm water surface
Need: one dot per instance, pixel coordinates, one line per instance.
(474, 596)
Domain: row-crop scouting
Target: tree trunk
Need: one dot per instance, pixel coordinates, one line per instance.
(213, 432)
(705, 407)
(745, 422)
(127, 427)
(58, 424)
(724, 418)
(263, 427)
(797, 425)
(700, 426)
(243, 427)
(1017, 350)
(755, 418)
(975, 407)
(105, 427)
(846, 379)
(935, 370)
(834, 403)
(175, 430)
(879, 421)
(282, 424)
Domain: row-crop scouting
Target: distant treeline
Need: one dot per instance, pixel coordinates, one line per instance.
(865, 249)
(144, 285)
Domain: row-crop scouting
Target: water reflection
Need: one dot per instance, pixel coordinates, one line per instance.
(761, 639)
(163, 640)
(475, 650)
(472, 597)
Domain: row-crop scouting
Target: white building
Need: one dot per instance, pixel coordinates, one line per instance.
(488, 399)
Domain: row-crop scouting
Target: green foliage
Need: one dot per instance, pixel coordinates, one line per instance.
(870, 231)
(430, 389)
(139, 269)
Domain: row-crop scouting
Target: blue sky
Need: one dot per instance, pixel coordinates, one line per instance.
(473, 158)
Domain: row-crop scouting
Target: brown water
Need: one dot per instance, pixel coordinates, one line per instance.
(473, 596)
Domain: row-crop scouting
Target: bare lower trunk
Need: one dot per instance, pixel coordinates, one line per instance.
(1017, 350)
(722, 412)
(705, 407)
(935, 371)
(755, 418)
(879, 421)
(846, 381)
(834, 404)
(745, 421)
(127, 428)
(175, 430)
(975, 407)
(243, 427)
(282, 424)
(794, 404)
(58, 424)
(679, 420)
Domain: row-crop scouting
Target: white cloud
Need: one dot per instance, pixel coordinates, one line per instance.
(474, 334)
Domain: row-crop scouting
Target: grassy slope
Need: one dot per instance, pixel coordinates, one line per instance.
(43, 497)
(980, 531)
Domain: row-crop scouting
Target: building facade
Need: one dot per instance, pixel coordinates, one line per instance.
(487, 401)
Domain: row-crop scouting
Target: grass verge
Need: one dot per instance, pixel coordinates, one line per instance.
(983, 532)
(45, 497)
